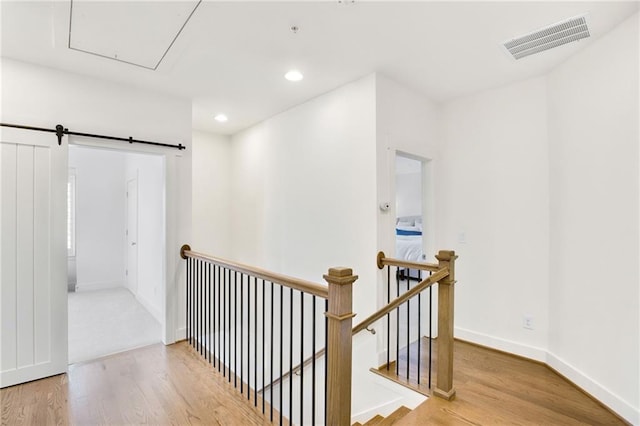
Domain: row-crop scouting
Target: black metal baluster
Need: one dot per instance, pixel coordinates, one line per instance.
(235, 329)
(419, 326)
(430, 329)
(408, 322)
(187, 319)
(397, 324)
(241, 333)
(219, 310)
(388, 316)
(194, 307)
(225, 300)
(207, 305)
(255, 341)
(313, 361)
(200, 306)
(210, 301)
(214, 305)
(281, 348)
(264, 374)
(248, 333)
(291, 355)
(271, 360)
(301, 356)
(326, 362)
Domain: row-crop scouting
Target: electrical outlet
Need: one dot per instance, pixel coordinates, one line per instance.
(527, 322)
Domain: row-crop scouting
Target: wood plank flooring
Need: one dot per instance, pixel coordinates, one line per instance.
(162, 385)
(497, 388)
(153, 385)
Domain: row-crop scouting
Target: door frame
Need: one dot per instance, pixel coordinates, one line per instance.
(134, 288)
(171, 217)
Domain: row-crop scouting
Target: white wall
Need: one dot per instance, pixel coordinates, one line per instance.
(211, 194)
(542, 178)
(493, 188)
(44, 97)
(304, 199)
(303, 189)
(594, 292)
(100, 217)
(409, 123)
(408, 194)
(149, 172)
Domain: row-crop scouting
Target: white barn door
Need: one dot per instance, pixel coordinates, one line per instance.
(33, 254)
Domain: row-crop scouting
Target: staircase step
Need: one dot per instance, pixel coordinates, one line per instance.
(374, 420)
(357, 424)
(395, 416)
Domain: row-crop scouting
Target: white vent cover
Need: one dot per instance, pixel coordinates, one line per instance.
(567, 31)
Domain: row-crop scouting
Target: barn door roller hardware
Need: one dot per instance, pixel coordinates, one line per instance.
(60, 131)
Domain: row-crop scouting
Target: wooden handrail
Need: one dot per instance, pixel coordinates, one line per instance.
(383, 261)
(285, 280)
(424, 284)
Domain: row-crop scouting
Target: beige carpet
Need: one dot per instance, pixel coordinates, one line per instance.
(103, 322)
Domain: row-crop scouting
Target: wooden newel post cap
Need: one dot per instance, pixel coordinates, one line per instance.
(184, 248)
(340, 275)
(446, 255)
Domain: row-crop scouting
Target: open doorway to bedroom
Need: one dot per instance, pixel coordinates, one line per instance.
(116, 242)
(413, 239)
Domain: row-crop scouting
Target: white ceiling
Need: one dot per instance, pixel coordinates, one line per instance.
(231, 56)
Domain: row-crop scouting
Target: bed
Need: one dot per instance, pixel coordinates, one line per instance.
(409, 244)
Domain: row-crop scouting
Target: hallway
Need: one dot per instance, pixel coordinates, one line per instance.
(103, 322)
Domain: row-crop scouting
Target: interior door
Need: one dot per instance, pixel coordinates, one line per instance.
(33, 253)
(132, 235)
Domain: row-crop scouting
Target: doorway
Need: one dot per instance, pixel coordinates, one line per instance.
(413, 233)
(119, 223)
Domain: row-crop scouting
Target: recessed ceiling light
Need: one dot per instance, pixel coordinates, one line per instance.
(294, 75)
(221, 118)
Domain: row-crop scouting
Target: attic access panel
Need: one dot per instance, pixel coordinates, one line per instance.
(134, 32)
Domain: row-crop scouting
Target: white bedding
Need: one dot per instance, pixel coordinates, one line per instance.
(409, 247)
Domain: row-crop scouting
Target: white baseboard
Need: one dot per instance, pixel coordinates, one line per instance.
(99, 285)
(526, 351)
(583, 381)
(595, 389)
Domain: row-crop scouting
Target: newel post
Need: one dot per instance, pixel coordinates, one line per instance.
(444, 386)
(339, 326)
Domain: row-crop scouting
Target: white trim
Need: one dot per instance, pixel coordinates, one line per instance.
(575, 376)
(595, 389)
(516, 348)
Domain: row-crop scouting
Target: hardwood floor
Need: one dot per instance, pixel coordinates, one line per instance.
(153, 385)
(173, 385)
(497, 388)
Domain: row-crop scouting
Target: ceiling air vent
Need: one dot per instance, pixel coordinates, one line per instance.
(567, 31)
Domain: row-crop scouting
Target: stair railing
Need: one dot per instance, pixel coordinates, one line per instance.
(250, 324)
(217, 327)
(443, 274)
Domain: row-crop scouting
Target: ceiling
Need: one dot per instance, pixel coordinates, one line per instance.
(231, 57)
